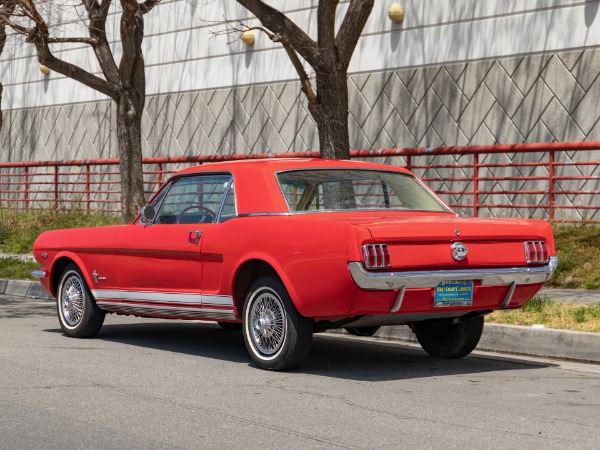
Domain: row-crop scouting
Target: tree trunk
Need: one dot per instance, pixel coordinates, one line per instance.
(331, 114)
(1, 90)
(129, 136)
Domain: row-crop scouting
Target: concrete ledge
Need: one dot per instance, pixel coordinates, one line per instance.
(550, 342)
(545, 342)
(22, 288)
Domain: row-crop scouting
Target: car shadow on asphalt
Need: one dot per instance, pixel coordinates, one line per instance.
(335, 356)
(371, 359)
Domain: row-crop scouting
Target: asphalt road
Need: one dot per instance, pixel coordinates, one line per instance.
(145, 383)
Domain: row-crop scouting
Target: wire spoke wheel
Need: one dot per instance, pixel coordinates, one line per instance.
(276, 335)
(268, 323)
(72, 301)
(78, 313)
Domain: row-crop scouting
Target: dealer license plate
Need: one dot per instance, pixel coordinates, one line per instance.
(453, 293)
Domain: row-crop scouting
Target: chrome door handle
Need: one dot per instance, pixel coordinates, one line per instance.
(195, 235)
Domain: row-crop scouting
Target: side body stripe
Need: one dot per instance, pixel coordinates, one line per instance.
(166, 304)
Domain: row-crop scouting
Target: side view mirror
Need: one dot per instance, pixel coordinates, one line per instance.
(148, 214)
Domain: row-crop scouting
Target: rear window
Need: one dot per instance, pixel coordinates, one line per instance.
(348, 189)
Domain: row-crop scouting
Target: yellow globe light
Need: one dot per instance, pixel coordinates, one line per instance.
(248, 37)
(396, 13)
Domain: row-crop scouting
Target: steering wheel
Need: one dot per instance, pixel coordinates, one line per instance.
(203, 209)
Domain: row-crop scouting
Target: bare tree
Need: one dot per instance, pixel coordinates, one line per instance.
(2, 43)
(124, 83)
(329, 57)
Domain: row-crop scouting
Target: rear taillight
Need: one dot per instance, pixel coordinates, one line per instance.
(536, 252)
(377, 256)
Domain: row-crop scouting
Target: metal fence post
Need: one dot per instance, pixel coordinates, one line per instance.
(551, 185)
(475, 185)
(56, 187)
(87, 187)
(26, 175)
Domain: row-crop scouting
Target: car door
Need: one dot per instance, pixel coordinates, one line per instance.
(159, 265)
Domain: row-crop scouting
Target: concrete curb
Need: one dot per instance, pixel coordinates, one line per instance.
(23, 288)
(545, 342)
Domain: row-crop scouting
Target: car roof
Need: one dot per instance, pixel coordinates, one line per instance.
(256, 187)
(278, 164)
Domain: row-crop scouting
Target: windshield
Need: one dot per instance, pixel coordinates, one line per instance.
(349, 189)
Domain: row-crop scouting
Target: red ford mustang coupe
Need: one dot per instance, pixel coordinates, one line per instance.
(286, 248)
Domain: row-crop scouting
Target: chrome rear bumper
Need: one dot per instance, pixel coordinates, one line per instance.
(430, 279)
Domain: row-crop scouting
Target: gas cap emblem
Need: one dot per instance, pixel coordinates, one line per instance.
(459, 251)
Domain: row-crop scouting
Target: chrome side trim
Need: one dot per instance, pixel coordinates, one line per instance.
(258, 214)
(430, 279)
(162, 297)
(39, 273)
(183, 313)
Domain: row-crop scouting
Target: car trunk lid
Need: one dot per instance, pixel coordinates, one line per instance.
(433, 242)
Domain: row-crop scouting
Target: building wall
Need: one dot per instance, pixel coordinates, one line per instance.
(453, 73)
(536, 98)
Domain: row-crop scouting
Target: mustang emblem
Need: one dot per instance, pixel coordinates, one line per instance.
(459, 251)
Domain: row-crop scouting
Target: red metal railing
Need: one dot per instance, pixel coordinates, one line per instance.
(555, 181)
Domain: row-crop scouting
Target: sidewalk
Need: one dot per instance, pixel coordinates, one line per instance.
(572, 295)
(515, 339)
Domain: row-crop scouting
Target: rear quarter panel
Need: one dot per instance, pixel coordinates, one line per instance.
(310, 257)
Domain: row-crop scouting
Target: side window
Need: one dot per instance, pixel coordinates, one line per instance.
(193, 200)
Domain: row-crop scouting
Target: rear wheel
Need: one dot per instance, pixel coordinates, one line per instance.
(452, 340)
(276, 335)
(78, 313)
(362, 331)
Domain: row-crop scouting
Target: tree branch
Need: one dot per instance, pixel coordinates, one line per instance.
(30, 9)
(304, 80)
(326, 26)
(97, 14)
(67, 69)
(39, 37)
(89, 41)
(280, 24)
(8, 9)
(351, 29)
(148, 5)
(18, 28)
(130, 39)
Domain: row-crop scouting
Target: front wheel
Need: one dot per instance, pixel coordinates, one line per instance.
(78, 313)
(276, 335)
(451, 340)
